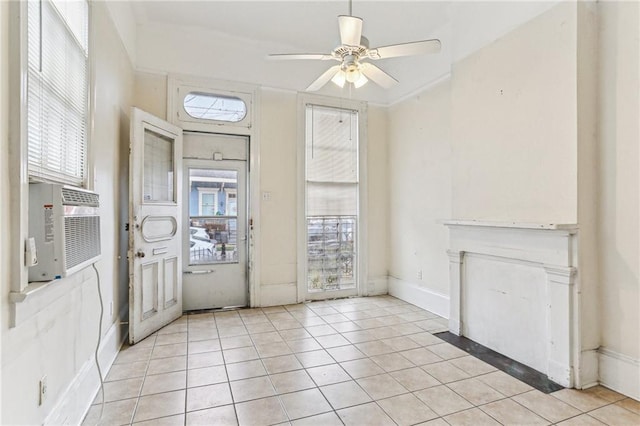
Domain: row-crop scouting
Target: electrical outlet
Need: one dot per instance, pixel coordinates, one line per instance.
(43, 390)
(419, 274)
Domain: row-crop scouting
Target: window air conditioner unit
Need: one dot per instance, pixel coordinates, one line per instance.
(65, 223)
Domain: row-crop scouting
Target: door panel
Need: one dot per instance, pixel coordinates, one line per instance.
(149, 289)
(155, 171)
(170, 282)
(215, 223)
(158, 228)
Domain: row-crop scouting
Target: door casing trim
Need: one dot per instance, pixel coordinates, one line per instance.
(253, 162)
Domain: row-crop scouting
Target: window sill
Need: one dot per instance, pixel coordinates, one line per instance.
(38, 296)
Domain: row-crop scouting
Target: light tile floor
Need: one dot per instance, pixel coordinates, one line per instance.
(361, 361)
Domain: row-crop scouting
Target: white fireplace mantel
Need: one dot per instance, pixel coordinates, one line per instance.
(513, 288)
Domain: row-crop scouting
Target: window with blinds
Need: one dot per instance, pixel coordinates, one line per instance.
(331, 173)
(57, 90)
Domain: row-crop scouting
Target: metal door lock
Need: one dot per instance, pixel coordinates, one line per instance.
(140, 253)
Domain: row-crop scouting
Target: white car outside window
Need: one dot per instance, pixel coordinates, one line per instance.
(200, 246)
(199, 233)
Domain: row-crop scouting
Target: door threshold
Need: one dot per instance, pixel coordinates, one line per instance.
(207, 310)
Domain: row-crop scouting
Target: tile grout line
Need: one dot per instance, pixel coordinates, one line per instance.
(226, 372)
(253, 335)
(144, 378)
(186, 378)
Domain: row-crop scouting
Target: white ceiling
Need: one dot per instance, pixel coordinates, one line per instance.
(230, 39)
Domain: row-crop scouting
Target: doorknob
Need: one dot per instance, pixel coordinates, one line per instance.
(140, 253)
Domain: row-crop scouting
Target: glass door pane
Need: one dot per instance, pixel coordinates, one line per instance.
(158, 172)
(213, 216)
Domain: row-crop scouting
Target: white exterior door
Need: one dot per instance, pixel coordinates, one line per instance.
(215, 249)
(155, 243)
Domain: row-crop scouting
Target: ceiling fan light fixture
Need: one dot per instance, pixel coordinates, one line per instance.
(353, 74)
(339, 79)
(360, 82)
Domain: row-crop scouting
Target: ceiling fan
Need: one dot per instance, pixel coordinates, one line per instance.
(353, 53)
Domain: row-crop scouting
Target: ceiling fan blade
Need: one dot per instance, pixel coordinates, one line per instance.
(323, 79)
(378, 76)
(350, 30)
(290, 56)
(405, 49)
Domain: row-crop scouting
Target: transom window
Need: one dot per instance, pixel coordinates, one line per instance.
(206, 106)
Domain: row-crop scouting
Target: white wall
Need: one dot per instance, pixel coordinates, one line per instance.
(113, 97)
(122, 16)
(497, 141)
(587, 140)
(5, 222)
(619, 192)
(514, 135)
(58, 341)
(278, 216)
(379, 206)
(150, 93)
(419, 196)
(469, 19)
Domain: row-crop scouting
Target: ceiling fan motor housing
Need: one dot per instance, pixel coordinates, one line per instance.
(360, 51)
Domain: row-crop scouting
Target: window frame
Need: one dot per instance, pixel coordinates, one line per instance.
(228, 192)
(362, 288)
(179, 88)
(202, 191)
(29, 298)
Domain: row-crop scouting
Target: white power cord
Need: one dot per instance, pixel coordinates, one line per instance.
(98, 344)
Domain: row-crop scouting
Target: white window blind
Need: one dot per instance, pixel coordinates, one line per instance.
(57, 89)
(331, 161)
(331, 197)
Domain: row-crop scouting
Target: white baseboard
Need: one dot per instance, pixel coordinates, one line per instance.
(75, 401)
(619, 372)
(587, 376)
(278, 294)
(419, 296)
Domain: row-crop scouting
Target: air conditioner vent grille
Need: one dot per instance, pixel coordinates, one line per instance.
(79, 198)
(82, 239)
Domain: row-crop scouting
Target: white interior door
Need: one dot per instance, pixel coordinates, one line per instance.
(215, 222)
(155, 178)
